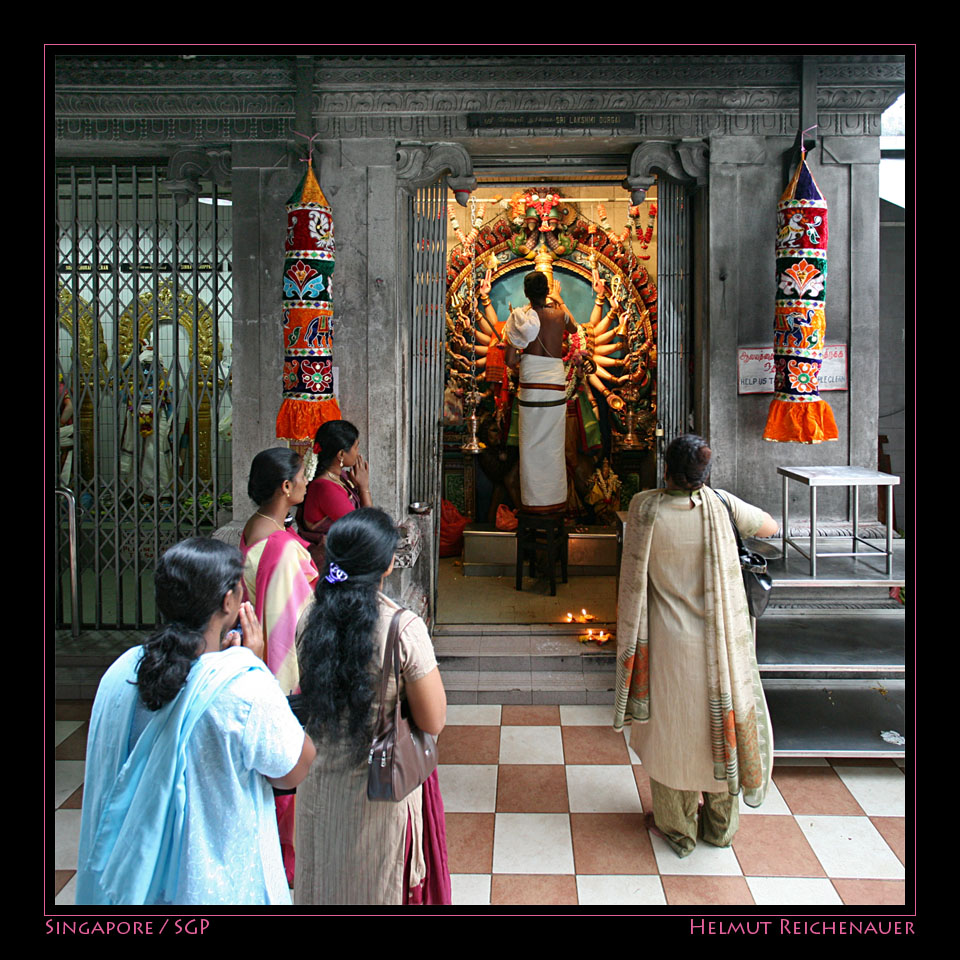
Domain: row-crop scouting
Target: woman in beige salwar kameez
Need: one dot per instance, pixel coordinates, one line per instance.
(687, 672)
(351, 850)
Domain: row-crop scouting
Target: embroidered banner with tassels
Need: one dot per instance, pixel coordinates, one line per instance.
(309, 255)
(797, 414)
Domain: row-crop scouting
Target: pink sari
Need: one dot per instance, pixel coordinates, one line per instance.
(282, 580)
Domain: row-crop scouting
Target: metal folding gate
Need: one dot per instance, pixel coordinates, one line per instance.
(143, 347)
(427, 230)
(675, 314)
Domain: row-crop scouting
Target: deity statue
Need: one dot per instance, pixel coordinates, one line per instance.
(501, 466)
(66, 432)
(151, 379)
(604, 495)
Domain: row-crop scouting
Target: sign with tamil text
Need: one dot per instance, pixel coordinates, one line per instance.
(544, 118)
(755, 369)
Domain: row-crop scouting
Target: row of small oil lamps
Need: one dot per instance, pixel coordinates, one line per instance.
(601, 636)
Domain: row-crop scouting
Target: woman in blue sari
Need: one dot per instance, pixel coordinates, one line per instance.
(187, 734)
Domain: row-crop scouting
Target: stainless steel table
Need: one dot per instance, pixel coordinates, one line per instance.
(851, 477)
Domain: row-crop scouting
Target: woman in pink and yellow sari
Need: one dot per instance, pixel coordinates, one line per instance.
(278, 577)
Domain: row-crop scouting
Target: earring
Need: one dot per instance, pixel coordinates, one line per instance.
(341, 461)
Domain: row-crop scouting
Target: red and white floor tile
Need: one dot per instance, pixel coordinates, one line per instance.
(545, 806)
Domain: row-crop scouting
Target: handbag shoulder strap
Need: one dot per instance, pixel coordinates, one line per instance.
(392, 646)
(733, 523)
(395, 631)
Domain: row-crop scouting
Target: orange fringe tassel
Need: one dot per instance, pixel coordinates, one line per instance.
(300, 419)
(800, 422)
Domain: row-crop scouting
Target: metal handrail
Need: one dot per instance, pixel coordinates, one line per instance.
(68, 495)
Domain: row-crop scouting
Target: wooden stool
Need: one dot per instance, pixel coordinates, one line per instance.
(540, 531)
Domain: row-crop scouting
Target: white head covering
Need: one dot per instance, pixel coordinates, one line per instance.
(522, 327)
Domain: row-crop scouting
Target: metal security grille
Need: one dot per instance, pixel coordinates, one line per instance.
(427, 231)
(144, 341)
(675, 326)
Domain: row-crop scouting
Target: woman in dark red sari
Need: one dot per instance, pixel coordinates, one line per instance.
(341, 484)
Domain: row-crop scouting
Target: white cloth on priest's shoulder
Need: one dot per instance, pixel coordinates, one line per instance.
(522, 327)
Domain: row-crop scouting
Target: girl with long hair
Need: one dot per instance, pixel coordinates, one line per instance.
(352, 850)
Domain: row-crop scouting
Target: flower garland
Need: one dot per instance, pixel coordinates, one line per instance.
(467, 239)
(310, 460)
(576, 346)
(643, 237)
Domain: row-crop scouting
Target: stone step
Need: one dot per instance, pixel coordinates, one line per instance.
(514, 667)
(546, 630)
(529, 686)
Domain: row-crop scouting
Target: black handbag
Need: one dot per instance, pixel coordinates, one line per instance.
(402, 755)
(756, 581)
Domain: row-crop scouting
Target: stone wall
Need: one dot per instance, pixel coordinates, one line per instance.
(359, 180)
(746, 180)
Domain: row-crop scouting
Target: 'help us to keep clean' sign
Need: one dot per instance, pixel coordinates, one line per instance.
(755, 370)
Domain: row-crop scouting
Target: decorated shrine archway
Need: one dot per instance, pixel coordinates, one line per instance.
(614, 244)
(580, 237)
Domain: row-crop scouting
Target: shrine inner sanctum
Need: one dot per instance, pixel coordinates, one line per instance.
(578, 234)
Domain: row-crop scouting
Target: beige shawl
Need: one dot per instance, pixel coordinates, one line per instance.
(740, 729)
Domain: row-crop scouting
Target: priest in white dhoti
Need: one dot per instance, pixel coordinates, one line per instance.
(537, 330)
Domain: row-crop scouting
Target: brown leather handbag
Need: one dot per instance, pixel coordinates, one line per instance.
(402, 755)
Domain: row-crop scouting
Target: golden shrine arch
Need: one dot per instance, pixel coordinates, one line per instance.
(565, 232)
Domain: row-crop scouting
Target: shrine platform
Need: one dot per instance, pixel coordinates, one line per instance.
(489, 552)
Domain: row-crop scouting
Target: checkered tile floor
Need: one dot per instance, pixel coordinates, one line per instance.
(545, 806)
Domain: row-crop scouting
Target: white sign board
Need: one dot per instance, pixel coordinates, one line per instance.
(755, 370)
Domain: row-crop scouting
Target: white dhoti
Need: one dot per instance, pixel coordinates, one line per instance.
(543, 411)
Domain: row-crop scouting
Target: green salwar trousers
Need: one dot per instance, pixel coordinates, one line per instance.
(682, 821)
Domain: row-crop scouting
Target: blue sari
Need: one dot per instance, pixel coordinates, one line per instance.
(135, 800)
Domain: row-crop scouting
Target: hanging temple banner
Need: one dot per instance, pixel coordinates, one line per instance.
(309, 256)
(797, 413)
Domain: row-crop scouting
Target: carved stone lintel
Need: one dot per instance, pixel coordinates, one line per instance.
(420, 164)
(685, 160)
(189, 164)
